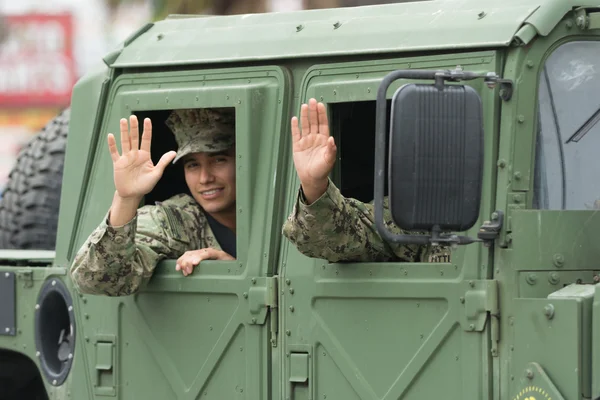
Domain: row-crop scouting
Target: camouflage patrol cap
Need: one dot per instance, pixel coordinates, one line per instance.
(202, 130)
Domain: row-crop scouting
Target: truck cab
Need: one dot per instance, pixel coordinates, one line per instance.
(510, 313)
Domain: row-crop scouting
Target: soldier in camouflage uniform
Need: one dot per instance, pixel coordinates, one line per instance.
(121, 253)
(323, 223)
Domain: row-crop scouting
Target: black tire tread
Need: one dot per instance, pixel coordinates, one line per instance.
(30, 203)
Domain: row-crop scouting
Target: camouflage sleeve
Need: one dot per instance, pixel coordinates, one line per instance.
(118, 260)
(337, 229)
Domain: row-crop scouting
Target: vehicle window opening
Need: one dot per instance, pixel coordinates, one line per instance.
(173, 180)
(353, 126)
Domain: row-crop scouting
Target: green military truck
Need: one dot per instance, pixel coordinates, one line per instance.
(478, 119)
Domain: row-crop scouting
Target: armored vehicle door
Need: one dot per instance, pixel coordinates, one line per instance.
(547, 258)
(388, 330)
(207, 335)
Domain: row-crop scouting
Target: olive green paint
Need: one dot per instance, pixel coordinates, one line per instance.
(495, 323)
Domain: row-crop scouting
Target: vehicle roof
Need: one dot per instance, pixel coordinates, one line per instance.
(399, 27)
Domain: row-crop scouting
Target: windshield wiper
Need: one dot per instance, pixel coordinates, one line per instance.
(585, 128)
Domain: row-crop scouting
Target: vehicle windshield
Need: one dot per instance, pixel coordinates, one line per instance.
(568, 140)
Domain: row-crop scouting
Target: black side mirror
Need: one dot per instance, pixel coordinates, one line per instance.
(435, 166)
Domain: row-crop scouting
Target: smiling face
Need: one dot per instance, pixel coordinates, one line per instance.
(211, 180)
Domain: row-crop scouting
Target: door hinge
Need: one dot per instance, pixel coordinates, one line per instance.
(480, 303)
(586, 19)
(273, 290)
(263, 300)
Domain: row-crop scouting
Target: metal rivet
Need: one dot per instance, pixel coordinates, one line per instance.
(287, 281)
(37, 306)
(554, 278)
(70, 308)
(337, 25)
(288, 332)
(292, 308)
(517, 176)
(70, 356)
(472, 284)
(7, 275)
(549, 311)
(531, 279)
(253, 281)
(54, 382)
(559, 260)
(53, 283)
(481, 15)
(521, 119)
(7, 330)
(529, 374)
(253, 320)
(529, 64)
(471, 327)
(501, 163)
(299, 28)
(462, 299)
(245, 295)
(37, 354)
(291, 290)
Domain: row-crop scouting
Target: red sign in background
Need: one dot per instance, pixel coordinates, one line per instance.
(37, 66)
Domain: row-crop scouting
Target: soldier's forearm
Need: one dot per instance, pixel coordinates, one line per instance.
(123, 210)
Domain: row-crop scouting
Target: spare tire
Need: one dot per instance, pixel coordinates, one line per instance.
(30, 202)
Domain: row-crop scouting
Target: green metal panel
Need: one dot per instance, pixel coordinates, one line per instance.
(595, 350)
(387, 330)
(29, 279)
(405, 27)
(89, 95)
(584, 295)
(207, 335)
(549, 332)
(540, 251)
(555, 240)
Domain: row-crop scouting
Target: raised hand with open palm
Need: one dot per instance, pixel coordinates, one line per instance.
(314, 149)
(135, 174)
